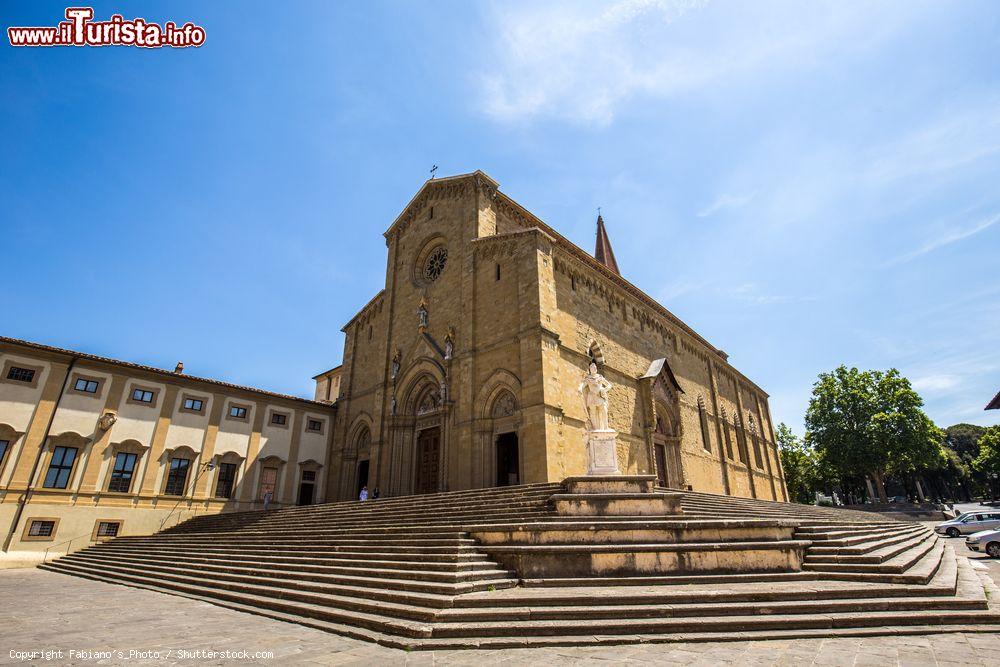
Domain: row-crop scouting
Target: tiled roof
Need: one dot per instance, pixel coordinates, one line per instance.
(157, 371)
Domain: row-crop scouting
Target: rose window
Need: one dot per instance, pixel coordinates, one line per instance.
(435, 263)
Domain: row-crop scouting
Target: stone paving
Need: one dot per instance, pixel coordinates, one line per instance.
(46, 611)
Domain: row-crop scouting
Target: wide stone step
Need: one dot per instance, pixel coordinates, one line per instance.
(879, 555)
(332, 571)
(860, 540)
(325, 552)
(719, 624)
(462, 555)
(713, 610)
(238, 541)
(311, 605)
(864, 547)
(897, 564)
(436, 587)
(919, 573)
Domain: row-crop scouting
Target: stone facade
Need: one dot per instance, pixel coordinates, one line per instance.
(463, 372)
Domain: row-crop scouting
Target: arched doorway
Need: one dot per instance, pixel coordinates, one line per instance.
(661, 436)
(428, 456)
(508, 460)
(362, 477)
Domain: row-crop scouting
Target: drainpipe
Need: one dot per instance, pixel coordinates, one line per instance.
(23, 500)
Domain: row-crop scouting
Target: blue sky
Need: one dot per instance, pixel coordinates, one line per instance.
(806, 184)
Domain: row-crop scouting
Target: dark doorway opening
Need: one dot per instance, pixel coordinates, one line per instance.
(428, 451)
(306, 487)
(508, 468)
(661, 465)
(362, 477)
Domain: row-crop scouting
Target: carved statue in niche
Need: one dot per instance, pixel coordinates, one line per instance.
(449, 344)
(594, 390)
(422, 314)
(396, 362)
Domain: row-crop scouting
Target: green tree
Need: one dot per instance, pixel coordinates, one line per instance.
(964, 439)
(871, 423)
(800, 465)
(988, 461)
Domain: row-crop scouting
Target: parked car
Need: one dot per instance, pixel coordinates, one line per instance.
(971, 522)
(985, 540)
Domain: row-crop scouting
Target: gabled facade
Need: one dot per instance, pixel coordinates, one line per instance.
(463, 372)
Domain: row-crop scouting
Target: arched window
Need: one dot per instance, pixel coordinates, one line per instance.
(703, 422)
(596, 354)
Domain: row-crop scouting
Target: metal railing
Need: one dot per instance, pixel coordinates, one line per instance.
(49, 548)
(202, 469)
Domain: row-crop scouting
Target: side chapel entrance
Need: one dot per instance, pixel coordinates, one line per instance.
(428, 455)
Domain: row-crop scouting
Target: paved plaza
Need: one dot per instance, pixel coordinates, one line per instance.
(46, 611)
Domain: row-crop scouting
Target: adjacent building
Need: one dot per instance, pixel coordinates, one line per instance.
(92, 447)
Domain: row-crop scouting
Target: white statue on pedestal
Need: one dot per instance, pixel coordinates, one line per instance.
(602, 456)
(594, 389)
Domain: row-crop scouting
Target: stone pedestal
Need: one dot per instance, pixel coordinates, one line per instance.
(602, 455)
(615, 495)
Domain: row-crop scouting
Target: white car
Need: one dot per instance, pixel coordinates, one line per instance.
(970, 522)
(985, 540)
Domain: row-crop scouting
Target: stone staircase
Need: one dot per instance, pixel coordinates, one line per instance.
(504, 568)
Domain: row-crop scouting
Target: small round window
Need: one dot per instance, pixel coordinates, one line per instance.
(434, 264)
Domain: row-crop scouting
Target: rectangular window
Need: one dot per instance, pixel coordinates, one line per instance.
(4, 446)
(142, 395)
(237, 412)
(108, 528)
(194, 404)
(121, 474)
(268, 478)
(227, 480)
(60, 468)
(279, 419)
(88, 386)
(21, 374)
(308, 475)
(177, 479)
(41, 529)
(498, 272)
(314, 425)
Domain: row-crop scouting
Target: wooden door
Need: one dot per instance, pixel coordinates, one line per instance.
(661, 464)
(428, 447)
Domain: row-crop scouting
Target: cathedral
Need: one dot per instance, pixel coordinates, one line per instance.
(465, 370)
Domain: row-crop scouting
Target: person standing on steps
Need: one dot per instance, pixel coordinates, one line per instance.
(267, 500)
(364, 493)
(376, 494)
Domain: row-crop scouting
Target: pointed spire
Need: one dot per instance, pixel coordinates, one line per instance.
(603, 252)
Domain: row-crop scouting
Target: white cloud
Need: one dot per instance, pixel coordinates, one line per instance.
(725, 201)
(959, 137)
(934, 383)
(949, 236)
(583, 60)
